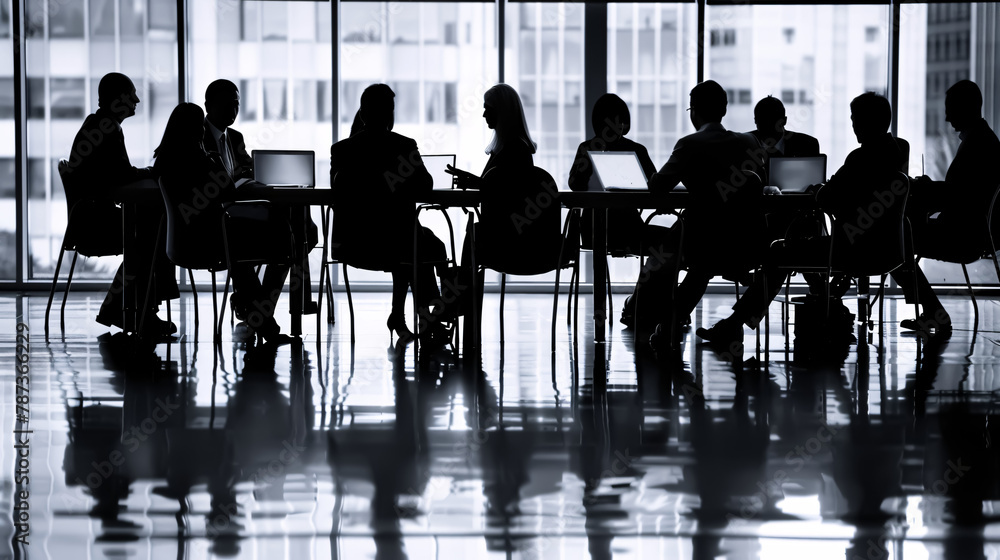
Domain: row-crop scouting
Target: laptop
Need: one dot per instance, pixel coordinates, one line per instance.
(285, 168)
(794, 174)
(618, 171)
(436, 165)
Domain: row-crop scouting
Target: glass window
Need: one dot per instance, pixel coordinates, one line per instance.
(61, 91)
(835, 66)
(8, 211)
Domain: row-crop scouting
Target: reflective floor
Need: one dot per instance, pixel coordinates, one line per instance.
(821, 449)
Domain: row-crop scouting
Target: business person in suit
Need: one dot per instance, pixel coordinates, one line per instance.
(866, 174)
(98, 164)
(376, 174)
(723, 223)
(222, 105)
(189, 176)
(777, 141)
(946, 215)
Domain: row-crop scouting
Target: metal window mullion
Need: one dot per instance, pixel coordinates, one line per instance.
(892, 64)
(20, 135)
(501, 34)
(702, 52)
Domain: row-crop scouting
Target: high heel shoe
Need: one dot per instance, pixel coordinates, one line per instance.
(398, 323)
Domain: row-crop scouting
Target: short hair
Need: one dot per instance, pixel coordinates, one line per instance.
(873, 111)
(967, 94)
(607, 109)
(113, 87)
(709, 99)
(219, 89)
(377, 103)
(769, 109)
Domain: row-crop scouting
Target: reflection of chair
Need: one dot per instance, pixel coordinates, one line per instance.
(519, 231)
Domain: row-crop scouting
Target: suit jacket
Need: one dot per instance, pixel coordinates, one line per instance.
(624, 224)
(242, 162)
(98, 164)
(375, 176)
(724, 213)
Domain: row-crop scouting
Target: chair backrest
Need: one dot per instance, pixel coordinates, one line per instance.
(735, 239)
(93, 228)
(372, 229)
(878, 239)
(191, 243)
(519, 229)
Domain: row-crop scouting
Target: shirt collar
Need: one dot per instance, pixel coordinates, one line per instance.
(712, 126)
(216, 133)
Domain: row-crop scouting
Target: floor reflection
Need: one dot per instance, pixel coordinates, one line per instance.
(322, 449)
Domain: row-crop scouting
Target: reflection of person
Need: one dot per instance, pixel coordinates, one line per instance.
(376, 173)
(948, 216)
(866, 173)
(184, 165)
(99, 163)
(222, 105)
(777, 141)
(718, 221)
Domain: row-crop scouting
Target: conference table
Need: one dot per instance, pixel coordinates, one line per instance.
(597, 200)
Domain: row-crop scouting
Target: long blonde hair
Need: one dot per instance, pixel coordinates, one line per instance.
(511, 125)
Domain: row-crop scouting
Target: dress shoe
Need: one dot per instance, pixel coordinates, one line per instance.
(158, 327)
(110, 319)
(925, 322)
(727, 334)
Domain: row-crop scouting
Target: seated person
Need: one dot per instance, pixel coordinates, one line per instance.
(867, 172)
(99, 164)
(376, 173)
(948, 216)
(723, 224)
(769, 116)
(189, 175)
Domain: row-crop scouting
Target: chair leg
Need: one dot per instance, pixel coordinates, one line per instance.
(194, 294)
(611, 300)
(52, 290)
(975, 306)
(222, 310)
(215, 311)
(569, 297)
(350, 301)
(69, 282)
(555, 308)
(503, 288)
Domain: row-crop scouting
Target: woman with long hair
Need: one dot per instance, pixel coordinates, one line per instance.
(196, 190)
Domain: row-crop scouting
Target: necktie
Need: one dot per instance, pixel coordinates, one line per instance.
(227, 159)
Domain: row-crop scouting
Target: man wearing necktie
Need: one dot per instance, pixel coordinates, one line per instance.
(222, 105)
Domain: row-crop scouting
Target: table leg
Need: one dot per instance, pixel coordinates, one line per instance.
(600, 256)
(129, 306)
(297, 290)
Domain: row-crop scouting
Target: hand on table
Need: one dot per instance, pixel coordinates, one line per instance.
(463, 179)
(772, 190)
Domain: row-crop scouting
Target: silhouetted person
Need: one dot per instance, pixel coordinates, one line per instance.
(511, 159)
(191, 176)
(721, 223)
(769, 116)
(222, 105)
(948, 217)
(376, 173)
(625, 228)
(867, 173)
(99, 164)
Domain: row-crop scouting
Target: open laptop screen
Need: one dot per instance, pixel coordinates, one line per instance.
(435, 165)
(618, 170)
(283, 168)
(793, 175)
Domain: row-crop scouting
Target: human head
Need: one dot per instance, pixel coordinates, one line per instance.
(378, 107)
(769, 116)
(504, 113)
(708, 103)
(870, 116)
(611, 118)
(222, 103)
(963, 104)
(116, 93)
(185, 130)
